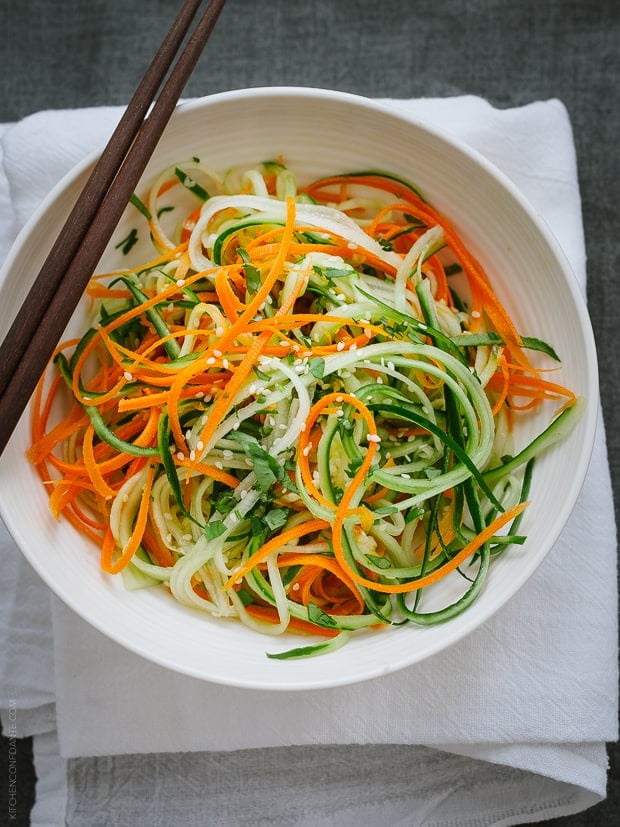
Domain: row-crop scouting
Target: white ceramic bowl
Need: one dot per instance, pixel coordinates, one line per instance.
(319, 132)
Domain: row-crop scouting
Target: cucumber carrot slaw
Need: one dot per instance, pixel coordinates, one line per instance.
(299, 411)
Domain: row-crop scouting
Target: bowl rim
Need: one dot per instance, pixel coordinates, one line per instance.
(385, 108)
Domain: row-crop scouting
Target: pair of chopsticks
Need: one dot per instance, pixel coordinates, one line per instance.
(42, 318)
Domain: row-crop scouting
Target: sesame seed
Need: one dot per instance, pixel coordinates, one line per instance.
(219, 465)
(180, 455)
(475, 314)
(192, 455)
(340, 346)
(200, 445)
(128, 376)
(180, 282)
(210, 360)
(225, 364)
(352, 346)
(373, 438)
(227, 454)
(406, 476)
(217, 353)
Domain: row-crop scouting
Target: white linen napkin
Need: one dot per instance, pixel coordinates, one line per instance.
(534, 688)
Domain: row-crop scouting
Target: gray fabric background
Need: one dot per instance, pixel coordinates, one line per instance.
(72, 53)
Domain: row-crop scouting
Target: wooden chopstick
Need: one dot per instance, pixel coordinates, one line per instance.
(42, 318)
(89, 200)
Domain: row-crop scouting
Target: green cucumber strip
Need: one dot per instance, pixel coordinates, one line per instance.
(101, 429)
(252, 221)
(557, 431)
(314, 649)
(492, 338)
(427, 306)
(375, 173)
(448, 440)
(420, 328)
(79, 348)
(259, 585)
(456, 608)
(106, 435)
(171, 346)
(163, 449)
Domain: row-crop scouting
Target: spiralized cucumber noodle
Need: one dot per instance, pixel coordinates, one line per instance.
(298, 412)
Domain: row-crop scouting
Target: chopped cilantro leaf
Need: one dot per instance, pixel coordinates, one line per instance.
(214, 529)
(127, 243)
(319, 618)
(317, 367)
(140, 206)
(193, 186)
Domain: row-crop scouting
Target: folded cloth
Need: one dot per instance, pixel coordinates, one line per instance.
(528, 689)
